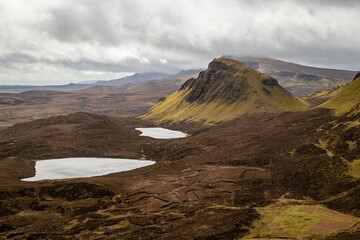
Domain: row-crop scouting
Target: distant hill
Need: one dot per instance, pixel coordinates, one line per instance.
(145, 77)
(24, 88)
(226, 90)
(136, 78)
(168, 85)
(298, 79)
(129, 100)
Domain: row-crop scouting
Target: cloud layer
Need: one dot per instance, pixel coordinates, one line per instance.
(60, 41)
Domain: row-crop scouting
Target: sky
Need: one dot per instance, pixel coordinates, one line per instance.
(63, 41)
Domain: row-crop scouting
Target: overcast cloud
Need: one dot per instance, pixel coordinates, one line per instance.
(61, 41)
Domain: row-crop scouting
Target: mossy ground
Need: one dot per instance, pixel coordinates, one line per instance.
(354, 168)
(298, 221)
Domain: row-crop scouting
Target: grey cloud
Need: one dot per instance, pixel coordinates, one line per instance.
(52, 41)
(81, 23)
(16, 58)
(128, 65)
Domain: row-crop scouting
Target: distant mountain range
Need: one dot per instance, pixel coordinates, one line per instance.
(145, 77)
(131, 99)
(24, 88)
(298, 79)
(136, 78)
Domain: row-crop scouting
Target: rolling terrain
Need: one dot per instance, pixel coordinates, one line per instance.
(134, 95)
(224, 180)
(271, 174)
(145, 77)
(128, 100)
(135, 78)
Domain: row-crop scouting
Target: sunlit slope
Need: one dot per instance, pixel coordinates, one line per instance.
(346, 99)
(226, 90)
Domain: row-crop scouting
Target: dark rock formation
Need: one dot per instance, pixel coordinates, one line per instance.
(283, 74)
(297, 75)
(357, 75)
(270, 82)
(221, 81)
(308, 77)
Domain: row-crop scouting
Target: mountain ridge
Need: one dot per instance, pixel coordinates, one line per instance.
(135, 78)
(300, 80)
(226, 90)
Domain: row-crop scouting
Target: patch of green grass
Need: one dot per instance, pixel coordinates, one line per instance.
(260, 238)
(354, 168)
(225, 207)
(352, 145)
(352, 124)
(288, 221)
(286, 101)
(284, 221)
(292, 152)
(325, 146)
(297, 222)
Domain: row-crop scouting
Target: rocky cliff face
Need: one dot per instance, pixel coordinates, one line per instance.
(218, 82)
(224, 80)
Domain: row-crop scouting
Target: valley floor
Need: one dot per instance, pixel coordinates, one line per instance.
(266, 177)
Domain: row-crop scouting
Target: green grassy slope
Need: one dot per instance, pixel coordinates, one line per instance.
(346, 99)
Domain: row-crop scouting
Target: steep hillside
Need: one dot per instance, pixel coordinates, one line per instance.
(346, 99)
(317, 98)
(226, 90)
(299, 79)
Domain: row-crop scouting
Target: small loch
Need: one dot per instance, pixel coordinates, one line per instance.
(65, 168)
(161, 133)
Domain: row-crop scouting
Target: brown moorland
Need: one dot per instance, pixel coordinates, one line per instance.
(129, 100)
(221, 182)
